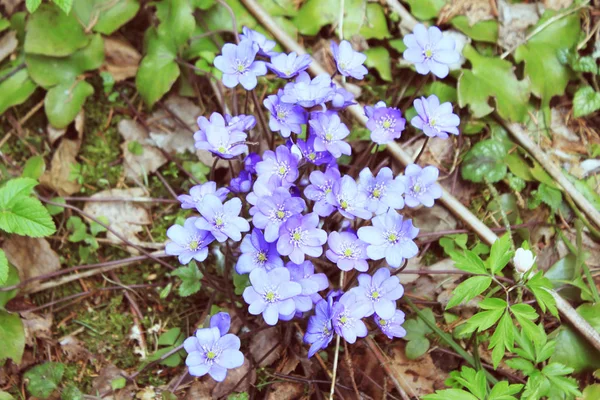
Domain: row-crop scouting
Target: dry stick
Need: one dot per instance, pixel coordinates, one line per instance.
(455, 206)
(117, 199)
(406, 19)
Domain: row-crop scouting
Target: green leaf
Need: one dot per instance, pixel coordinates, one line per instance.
(379, 58)
(135, 148)
(416, 348)
(425, 9)
(49, 71)
(503, 338)
(539, 286)
(473, 380)
(71, 393)
(5, 396)
(485, 161)
(3, 268)
(546, 194)
(176, 21)
(12, 337)
(44, 379)
(34, 167)
(27, 217)
(78, 229)
(549, 77)
(555, 373)
(504, 391)
(190, 277)
(15, 90)
(12, 279)
(500, 254)
(375, 24)
(279, 8)
(51, 32)
(482, 31)
(240, 282)
(585, 102)
(118, 383)
(469, 289)
(64, 5)
(450, 394)
(63, 102)
(55, 210)
(492, 77)
(315, 14)
(468, 261)
(108, 15)
(170, 337)
(525, 314)
(585, 64)
(32, 5)
(14, 190)
(158, 70)
(518, 166)
(444, 92)
(591, 392)
(483, 320)
(521, 364)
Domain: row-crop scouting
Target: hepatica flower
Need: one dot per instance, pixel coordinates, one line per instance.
(241, 183)
(435, 119)
(212, 350)
(198, 192)
(188, 242)
(390, 237)
(385, 123)
(330, 133)
(311, 283)
(257, 253)
(285, 118)
(383, 191)
(347, 251)
(321, 184)
(289, 65)
(421, 186)
(222, 220)
(391, 327)
(265, 46)
(380, 291)
(271, 294)
(347, 314)
(429, 50)
(306, 92)
(307, 148)
(281, 163)
(348, 61)
(274, 210)
(250, 162)
(299, 236)
(238, 64)
(320, 329)
(348, 200)
(221, 142)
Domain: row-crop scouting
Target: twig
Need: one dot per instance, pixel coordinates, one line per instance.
(422, 150)
(123, 199)
(407, 20)
(351, 369)
(383, 361)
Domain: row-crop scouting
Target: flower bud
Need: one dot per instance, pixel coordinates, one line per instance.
(523, 260)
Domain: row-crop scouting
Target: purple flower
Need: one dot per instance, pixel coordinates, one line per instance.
(241, 183)
(257, 253)
(265, 46)
(285, 117)
(330, 132)
(188, 241)
(240, 122)
(261, 188)
(390, 237)
(311, 283)
(238, 64)
(320, 185)
(197, 193)
(281, 163)
(213, 350)
(369, 110)
(319, 331)
(250, 162)
(222, 220)
(347, 314)
(306, 92)
(341, 97)
(385, 123)
(347, 251)
(380, 291)
(221, 141)
(383, 192)
(348, 200)
(299, 235)
(430, 51)
(421, 186)
(311, 155)
(348, 61)
(289, 65)
(274, 210)
(392, 327)
(435, 119)
(271, 294)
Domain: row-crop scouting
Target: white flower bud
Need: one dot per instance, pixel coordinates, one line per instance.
(523, 260)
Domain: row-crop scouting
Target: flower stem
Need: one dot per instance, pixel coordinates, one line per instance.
(337, 351)
(421, 151)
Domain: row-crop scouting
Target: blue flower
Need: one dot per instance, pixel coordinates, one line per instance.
(308, 93)
(380, 291)
(421, 186)
(265, 46)
(391, 327)
(319, 332)
(222, 220)
(238, 65)
(198, 192)
(347, 251)
(308, 152)
(289, 65)
(348, 200)
(280, 163)
(311, 283)
(348, 61)
(435, 119)
(383, 191)
(241, 183)
(321, 184)
(385, 123)
(330, 133)
(257, 253)
(188, 242)
(272, 212)
(299, 236)
(347, 316)
(429, 50)
(285, 117)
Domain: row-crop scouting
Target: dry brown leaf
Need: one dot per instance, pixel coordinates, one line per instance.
(434, 219)
(124, 217)
(286, 391)
(234, 376)
(121, 58)
(8, 44)
(557, 4)
(31, 256)
(201, 389)
(515, 20)
(149, 161)
(36, 327)
(474, 10)
(102, 383)
(173, 130)
(420, 375)
(147, 393)
(10, 5)
(74, 349)
(261, 344)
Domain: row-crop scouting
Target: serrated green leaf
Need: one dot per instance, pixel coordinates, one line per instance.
(518, 166)
(3, 268)
(14, 190)
(12, 279)
(190, 277)
(416, 348)
(521, 364)
(585, 64)
(485, 161)
(63, 102)
(504, 391)
(585, 101)
(450, 394)
(483, 320)
(32, 5)
(379, 58)
(12, 337)
(469, 289)
(539, 286)
(503, 338)
(492, 77)
(482, 31)
(555, 373)
(28, 217)
(71, 393)
(525, 314)
(15, 90)
(500, 254)
(468, 261)
(118, 383)
(64, 5)
(44, 379)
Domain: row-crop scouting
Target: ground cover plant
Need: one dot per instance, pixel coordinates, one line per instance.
(284, 200)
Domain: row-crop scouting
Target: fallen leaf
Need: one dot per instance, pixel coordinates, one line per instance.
(124, 217)
(261, 344)
(429, 286)
(234, 380)
(31, 256)
(36, 327)
(150, 159)
(421, 375)
(173, 130)
(475, 11)
(74, 349)
(147, 393)
(102, 383)
(121, 59)
(286, 391)
(8, 44)
(515, 19)
(10, 5)
(201, 389)
(434, 219)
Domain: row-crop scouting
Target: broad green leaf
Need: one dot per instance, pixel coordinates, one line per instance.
(51, 32)
(518, 166)
(32, 5)
(492, 303)
(169, 338)
(425, 9)
(585, 102)
(118, 383)
(54, 210)
(503, 338)
(279, 8)
(49, 71)
(485, 161)
(34, 167)
(109, 15)
(375, 25)
(450, 394)
(508, 203)
(15, 90)
(315, 14)
(469, 289)
(398, 45)
(354, 16)
(492, 77)
(3, 268)
(540, 175)
(482, 31)
(44, 379)
(71, 393)
(176, 21)
(64, 5)
(158, 70)
(586, 189)
(217, 17)
(379, 58)
(546, 194)
(12, 279)
(468, 261)
(591, 392)
(63, 102)
(240, 282)
(27, 217)
(190, 277)
(500, 254)
(549, 77)
(444, 92)
(416, 348)
(12, 337)
(14, 189)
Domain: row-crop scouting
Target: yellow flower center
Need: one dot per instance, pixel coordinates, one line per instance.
(428, 53)
(375, 295)
(281, 115)
(270, 296)
(328, 137)
(382, 322)
(194, 244)
(432, 122)
(211, 355)
(312, 156)
(376, 193)
(218, 222)
(222, 149)
(241, 67)
(282, 170)
(417, 188)
(344, 320)
(262, 257)
(296, 236)
(392, 237)
(348, 252)
(280, 214)
(387, 123)
(344, 204)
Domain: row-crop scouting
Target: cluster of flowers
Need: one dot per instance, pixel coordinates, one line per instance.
(294, 192)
